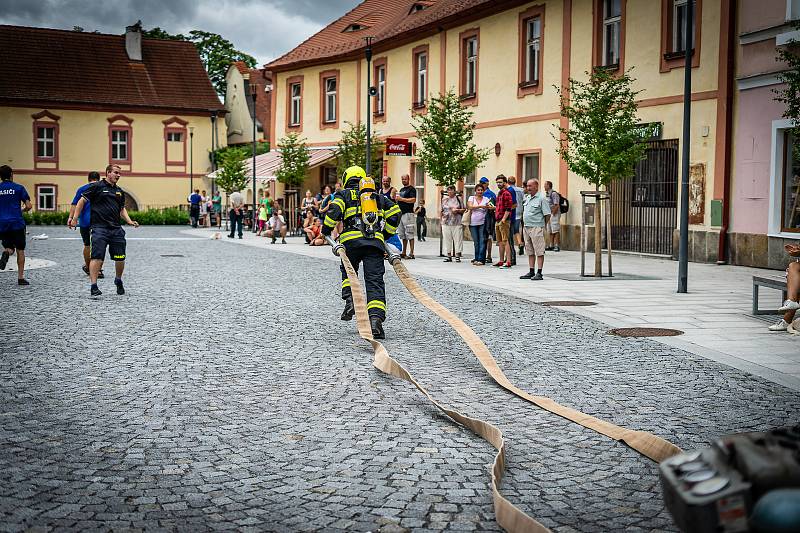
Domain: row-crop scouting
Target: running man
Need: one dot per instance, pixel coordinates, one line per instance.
(12, 225)
(84, 221)
(107, 204)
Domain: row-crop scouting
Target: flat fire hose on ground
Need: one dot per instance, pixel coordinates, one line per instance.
(510, 517)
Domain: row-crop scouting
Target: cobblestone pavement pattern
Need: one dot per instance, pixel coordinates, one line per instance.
(222, 392)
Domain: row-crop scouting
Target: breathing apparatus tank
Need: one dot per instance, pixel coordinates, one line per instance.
(368, 198)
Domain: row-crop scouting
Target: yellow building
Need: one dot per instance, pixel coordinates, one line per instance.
(74, 102)
(504, 58)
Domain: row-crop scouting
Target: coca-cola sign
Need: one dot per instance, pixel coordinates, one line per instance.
(397, 146)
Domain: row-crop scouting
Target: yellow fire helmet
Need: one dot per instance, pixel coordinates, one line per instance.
(353, 173)
(366, 184)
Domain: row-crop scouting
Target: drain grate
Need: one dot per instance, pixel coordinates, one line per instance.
(567, 303)
(172, 255)
(645, 332)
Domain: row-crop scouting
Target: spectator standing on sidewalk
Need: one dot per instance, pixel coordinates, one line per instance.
(406, 199)
(489, 224)
(204, 218)
(84, 222)
(479, 207)
(519, 200)
(554, 228)
(216, 204)
(792, 303)
(236, 214)
(14, 200)
(503, 209)
(452, 232)
(422, 224)
(194, 207)
(512, 232)
(262, 219)
(535, 218)
(386, 188)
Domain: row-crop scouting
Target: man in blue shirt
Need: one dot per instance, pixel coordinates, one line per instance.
(488, 225)
(194, 207)
(12, 225)
(84, 221)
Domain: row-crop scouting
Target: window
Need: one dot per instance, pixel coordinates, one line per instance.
(612, 15)
(380, 78)
(673, 32)
(418, 175)
(528, 167)
(45, 142)
(790, 188)
(330, 99)
(531, 51)
(46, 197)
(174, 136)
(469, 184)
(119, 145)
(420, 55)
(469, 66)
(294, 119)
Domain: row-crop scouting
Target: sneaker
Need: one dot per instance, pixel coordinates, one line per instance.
(521, 250)
(120, 287)
(23, 281)
(283, 241)
(85, 269)
(478, 263)
(95, 291)
(780, 326)
(458, 259)
(529, 275)
(448, 260)
(4, 260)
(505, 265)
(789, 305)
(556, 249)
(548, 248)
(100, 275)
(273, 241)
(498, 264)
(537, 277)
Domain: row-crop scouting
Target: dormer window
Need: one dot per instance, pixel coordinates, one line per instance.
(416, 8)
(354, 27)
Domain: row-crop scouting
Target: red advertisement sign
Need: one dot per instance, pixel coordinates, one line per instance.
(397, 146)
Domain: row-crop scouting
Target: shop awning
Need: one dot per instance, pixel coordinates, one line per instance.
(268, 164)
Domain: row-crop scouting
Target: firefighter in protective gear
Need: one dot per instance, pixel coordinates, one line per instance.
(369, 219)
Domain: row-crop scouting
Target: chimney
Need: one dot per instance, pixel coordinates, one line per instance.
(133, 41)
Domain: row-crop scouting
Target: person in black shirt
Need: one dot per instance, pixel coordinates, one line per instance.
(107, 202)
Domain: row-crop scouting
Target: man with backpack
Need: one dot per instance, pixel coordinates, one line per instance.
(555, 217)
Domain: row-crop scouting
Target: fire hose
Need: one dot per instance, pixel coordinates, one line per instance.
(510, 517)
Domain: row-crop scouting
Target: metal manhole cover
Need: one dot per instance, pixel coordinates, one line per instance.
(567, 303)
(172, 255)
(645, 332)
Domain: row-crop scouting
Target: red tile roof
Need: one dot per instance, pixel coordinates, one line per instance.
(389, 22)
(91, 68)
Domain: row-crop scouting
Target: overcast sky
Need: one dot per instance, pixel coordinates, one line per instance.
(265, 29)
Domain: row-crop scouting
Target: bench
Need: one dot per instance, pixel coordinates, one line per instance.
(772, 283)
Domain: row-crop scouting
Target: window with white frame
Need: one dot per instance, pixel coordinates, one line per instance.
(612, 15)
(533, 31)
(422, 80)
(294, 118)
(530, 167)
(471, 67)
(469, 184)
(419, 180)
(790, 186)
(45, 141)
(792, 9)
(330, 99)
(679, 12)
(381, 97)
(45, 198)
(119, 145)
(174, 136)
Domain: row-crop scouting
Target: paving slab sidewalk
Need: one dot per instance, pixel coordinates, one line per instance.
(714, 315)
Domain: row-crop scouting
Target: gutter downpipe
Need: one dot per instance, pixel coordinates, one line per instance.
(722, 247)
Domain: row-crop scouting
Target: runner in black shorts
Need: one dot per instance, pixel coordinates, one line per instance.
(107, 204)
(12, 225)
(84, 222)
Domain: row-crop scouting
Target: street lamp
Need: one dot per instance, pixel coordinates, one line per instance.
(254, 93)
(368, 53)
(683, 243)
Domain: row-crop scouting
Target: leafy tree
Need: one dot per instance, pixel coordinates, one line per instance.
(790, 94)
(216, 52)
(352, 149)
(445, 132)
(261, 148)
(603, 142)
(294, 160)
(232, 174)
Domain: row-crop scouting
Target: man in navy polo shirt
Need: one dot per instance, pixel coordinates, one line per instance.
(194, 207)
(12, 225)
(84, 220)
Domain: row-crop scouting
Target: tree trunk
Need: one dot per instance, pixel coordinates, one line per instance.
(598, 236)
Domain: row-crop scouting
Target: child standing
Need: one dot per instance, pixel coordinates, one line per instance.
(262, 219)
(422, 226)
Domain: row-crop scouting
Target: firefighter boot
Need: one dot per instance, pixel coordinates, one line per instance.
(349, 310)
(377, 327)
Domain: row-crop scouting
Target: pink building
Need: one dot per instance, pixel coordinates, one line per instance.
(765, 187)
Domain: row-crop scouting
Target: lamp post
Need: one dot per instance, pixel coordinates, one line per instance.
(254, 93)
(191, 158)
(683, 246)
(368, 54)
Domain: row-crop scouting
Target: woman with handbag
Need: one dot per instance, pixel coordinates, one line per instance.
(478, 205)
(453, 235)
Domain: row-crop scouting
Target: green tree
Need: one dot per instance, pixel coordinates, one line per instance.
(294, 160)
(352, 149)
(603, 142)
(261, 148)
(790, 93)
(216, 52)
(445, 132)
(232, 174)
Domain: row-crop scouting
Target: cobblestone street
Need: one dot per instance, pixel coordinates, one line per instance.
(223, 392)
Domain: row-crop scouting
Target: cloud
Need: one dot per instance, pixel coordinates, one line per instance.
(265, 29)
